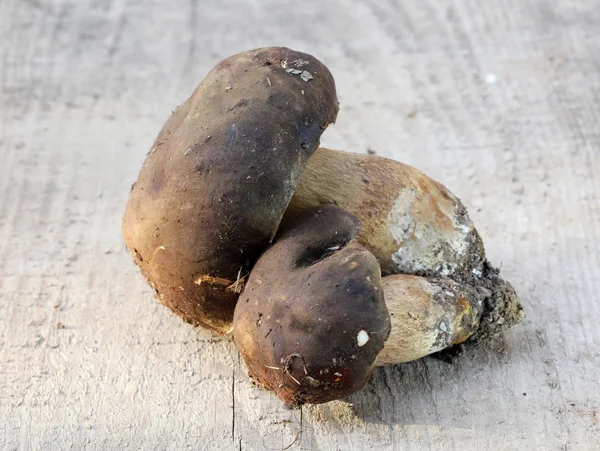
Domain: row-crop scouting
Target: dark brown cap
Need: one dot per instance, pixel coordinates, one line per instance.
(220, 175)
(312, 318)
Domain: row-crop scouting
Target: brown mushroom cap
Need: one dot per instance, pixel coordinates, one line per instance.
(220, 175)
(312, 318)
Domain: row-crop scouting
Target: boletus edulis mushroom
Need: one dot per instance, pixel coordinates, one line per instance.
(312, 318)
(312, 322)
(236, 173)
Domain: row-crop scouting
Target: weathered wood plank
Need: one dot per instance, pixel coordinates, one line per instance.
(499, 101)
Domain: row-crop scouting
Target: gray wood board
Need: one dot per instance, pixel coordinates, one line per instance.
(497, 100)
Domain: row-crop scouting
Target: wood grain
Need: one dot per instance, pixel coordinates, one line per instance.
(497, 100)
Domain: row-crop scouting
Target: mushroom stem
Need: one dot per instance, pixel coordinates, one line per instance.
(410, 222)
(430, 314)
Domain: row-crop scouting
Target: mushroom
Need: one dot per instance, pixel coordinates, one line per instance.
(312, 322)
(220, 175)
(236, 157)
(312, 318)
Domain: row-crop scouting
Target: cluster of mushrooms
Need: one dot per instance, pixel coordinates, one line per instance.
(324, 264)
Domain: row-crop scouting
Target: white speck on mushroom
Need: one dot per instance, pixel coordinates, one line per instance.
(337, 374)
(293, 71)
(477, 273)
(362, 338)
(443, 327)
(312, 381)
(300, 63)
(302, 91)
(227, 88)
(187, 152)
(306, 76)
(284, 64)
(269, 81)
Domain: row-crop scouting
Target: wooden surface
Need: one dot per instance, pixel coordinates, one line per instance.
(497, 100)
